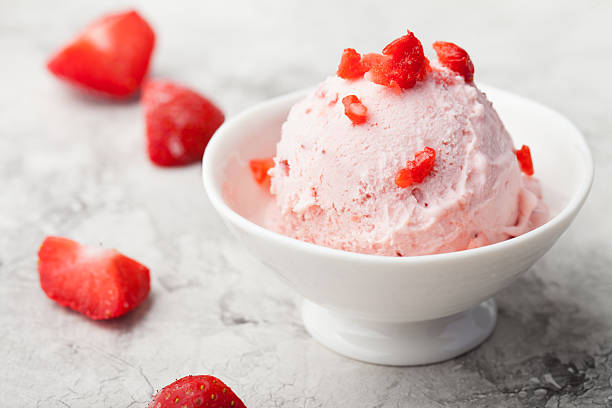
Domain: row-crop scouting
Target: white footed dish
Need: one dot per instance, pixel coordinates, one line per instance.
(397, 310)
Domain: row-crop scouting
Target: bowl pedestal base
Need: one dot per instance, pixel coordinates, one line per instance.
(400, 343)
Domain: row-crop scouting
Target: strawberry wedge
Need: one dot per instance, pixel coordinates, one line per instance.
(111, 56)
(99, 283)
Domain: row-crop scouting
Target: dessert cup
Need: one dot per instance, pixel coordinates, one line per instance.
(396, 310)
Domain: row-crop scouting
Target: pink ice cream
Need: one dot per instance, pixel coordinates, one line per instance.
(334, 181)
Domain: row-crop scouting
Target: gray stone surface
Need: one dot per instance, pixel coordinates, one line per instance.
(75, 166)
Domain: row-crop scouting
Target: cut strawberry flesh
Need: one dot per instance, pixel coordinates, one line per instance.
(354, 109)
(455, 58)
(259, 169)
(524, 158)
(179, 123)
(350, 65)
(417, 169)
(110, 56)
(99, 283)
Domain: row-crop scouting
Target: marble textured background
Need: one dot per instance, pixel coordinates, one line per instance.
(75, 166)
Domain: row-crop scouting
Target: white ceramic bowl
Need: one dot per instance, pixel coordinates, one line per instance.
(391, 310)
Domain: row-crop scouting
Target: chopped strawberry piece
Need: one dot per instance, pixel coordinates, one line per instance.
(406, 46)
(354, 109)
(403, 178)
(416, 170)
(350, 65)
(455, 58)
(379, 66)
(380, 69)
(203, 391)
(259, 168)
(524, 158)
(99, 283)
(179, 123)
(110, 56)
(373, 59)
(404, 66)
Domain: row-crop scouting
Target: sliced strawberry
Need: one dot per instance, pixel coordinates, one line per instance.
(99, 283)
(524, 158)
(416, 170)
(202, 391)
(350, 65)
(354, 109)
(455, 58)
(259, 169)
(110, 56)
(179, 123)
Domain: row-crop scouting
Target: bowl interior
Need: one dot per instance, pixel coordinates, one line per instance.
(561, 158)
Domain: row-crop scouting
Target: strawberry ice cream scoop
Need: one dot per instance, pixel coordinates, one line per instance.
(340, 184)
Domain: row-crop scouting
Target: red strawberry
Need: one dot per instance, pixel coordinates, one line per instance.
(259, 169)
(100, 283)
(524, 158)
(110, 56)
(204, 391)
(350, 65)
(179, 123)
(354, 109)
(416, 170)
(402, 64)
(455, 58)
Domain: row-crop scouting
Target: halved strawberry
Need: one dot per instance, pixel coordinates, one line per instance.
(203, 391)
(110, 56)
(179, 123)
(100, 283)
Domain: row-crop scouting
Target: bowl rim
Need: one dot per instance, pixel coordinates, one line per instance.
(214, 193)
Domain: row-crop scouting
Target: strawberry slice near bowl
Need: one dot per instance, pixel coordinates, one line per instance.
(99, 283)
(179, 122)
(111, 56)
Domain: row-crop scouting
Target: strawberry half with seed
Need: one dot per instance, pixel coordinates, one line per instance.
(179, 123)
(110, 56)
(99, 283)
(203, 391)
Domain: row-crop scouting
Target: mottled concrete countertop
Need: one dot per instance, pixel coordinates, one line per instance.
(75, 166)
